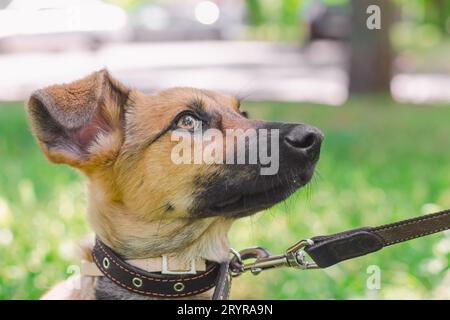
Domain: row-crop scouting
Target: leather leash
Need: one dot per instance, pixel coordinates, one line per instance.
(329, 250)
(325, 251)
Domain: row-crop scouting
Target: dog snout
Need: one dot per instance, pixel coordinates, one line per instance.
(304, 140)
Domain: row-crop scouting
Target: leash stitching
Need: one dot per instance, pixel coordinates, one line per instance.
(401, 224)
(417, 236)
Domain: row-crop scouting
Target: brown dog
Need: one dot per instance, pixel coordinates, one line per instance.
(140, 203)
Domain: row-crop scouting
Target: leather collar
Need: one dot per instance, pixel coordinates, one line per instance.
(159, 285)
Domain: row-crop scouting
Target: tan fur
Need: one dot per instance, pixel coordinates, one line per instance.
(129, 183)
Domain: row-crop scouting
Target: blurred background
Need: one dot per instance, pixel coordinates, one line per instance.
(382, 98)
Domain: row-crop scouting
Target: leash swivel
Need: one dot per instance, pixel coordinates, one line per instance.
(328, 250)
(294, 257)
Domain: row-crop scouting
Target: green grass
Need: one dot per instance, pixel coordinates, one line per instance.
(380, 162)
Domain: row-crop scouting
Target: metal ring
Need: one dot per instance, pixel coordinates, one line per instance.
(178, 287)
(237, 255)
(137, 282)
(236, 263)
(105, 263)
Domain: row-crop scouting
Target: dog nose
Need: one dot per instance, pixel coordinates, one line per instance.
(304, 140)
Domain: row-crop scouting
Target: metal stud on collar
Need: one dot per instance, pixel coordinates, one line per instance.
(105, 263)
(137, 282)
(178, 287)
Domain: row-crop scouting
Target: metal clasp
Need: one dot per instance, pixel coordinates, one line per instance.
(294, 257)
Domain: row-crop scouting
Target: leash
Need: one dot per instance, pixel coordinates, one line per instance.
(324, 251)
(329, 250)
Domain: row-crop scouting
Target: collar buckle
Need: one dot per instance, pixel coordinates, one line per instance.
(165, 268)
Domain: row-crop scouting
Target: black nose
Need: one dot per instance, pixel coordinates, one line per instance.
(304, 140)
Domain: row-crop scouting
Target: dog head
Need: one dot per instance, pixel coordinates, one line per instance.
(128, 144)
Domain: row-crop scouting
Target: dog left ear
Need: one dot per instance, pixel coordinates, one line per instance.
(80, 123)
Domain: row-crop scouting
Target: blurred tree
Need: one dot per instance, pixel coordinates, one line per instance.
(254, 12)
(371, 51)
(437, 12)
(281, 13)
(290, 12)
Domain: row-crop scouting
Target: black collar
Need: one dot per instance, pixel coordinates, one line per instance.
(160, 285)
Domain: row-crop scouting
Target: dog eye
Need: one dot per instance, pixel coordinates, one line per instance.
(188, 122)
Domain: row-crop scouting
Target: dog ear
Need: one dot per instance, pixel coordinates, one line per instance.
(80, 123)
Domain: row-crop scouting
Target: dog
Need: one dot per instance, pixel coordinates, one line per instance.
(140, 203)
